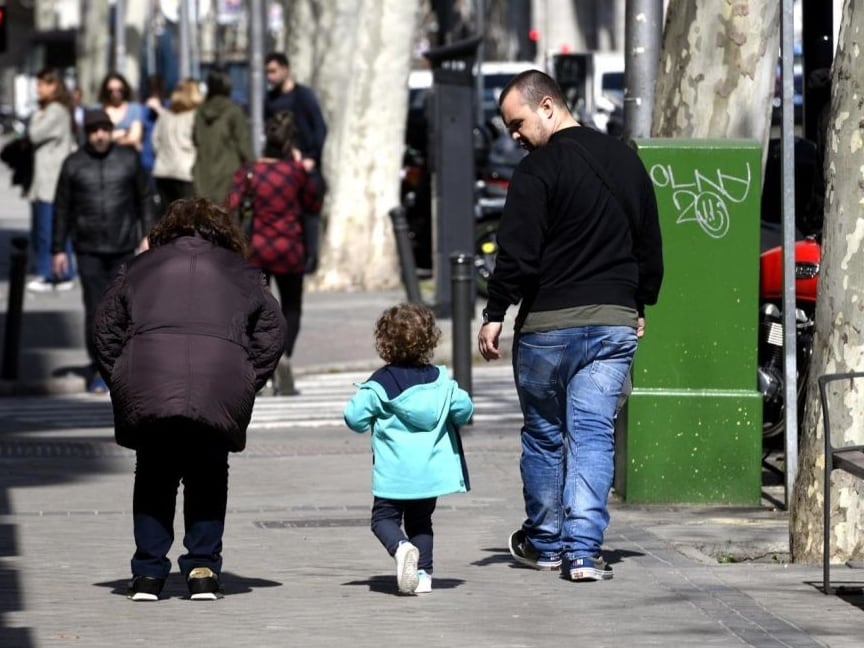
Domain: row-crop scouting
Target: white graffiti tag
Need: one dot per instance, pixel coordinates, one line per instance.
(706, 198)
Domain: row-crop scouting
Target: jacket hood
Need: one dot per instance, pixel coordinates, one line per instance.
(420, 407)
(214, 108)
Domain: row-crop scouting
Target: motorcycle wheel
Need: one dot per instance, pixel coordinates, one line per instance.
(485, 250)
(773, 433)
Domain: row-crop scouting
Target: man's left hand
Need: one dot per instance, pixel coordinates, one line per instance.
(487, 340)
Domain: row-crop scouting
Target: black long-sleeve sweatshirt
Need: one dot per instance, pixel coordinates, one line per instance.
(566, 241)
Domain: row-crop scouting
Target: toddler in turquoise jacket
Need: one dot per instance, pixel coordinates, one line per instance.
(414, 410)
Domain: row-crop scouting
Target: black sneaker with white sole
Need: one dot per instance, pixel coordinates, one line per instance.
(145, 588)
(204, 584)
(525, 554)
(588, 569)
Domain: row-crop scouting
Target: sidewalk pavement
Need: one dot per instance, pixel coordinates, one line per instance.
(302, 567)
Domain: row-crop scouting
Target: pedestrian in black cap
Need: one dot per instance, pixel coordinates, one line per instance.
(102, 202)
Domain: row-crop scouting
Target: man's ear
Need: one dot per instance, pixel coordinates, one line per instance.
(548, 106)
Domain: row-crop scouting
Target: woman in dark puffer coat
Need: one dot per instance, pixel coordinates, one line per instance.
(185, 336)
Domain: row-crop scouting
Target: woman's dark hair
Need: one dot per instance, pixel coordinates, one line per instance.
(406, 334)
(114, 76)
(61, 93)
(280, 134)
(218, 82)
(198, 217)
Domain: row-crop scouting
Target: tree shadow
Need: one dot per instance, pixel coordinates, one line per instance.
(175, 585)
(32, 463)
(851, 592)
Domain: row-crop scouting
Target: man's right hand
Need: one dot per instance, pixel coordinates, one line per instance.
(487, 340)
(60, 264)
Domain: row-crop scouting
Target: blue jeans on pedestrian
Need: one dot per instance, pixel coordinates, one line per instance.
(569, 381)
(178, 450)
(387, 517)
(41, 229)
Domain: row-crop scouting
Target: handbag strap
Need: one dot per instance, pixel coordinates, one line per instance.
(601, 173)
(247, 190)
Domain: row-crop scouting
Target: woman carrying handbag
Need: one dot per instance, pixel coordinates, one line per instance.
(279, 195)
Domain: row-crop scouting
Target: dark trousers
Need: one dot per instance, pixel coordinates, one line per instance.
(178, 450)
(291, 299)
(171, 189)
(387, 519)
(96, 271)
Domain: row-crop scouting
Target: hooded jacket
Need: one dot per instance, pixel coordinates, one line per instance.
(415, 444)
(221, 137)
(187, 329)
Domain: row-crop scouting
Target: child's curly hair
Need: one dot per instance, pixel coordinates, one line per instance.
(406, 334)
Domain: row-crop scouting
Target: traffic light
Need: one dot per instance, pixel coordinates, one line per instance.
(2, 29)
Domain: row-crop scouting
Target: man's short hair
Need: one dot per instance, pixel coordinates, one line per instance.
(533, 85)
(276, 57)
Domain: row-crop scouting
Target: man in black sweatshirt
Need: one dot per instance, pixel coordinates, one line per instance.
(580, 251)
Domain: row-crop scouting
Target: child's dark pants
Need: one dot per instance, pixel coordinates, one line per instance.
(387, 518)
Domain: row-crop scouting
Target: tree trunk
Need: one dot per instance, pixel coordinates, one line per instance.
(134, 26)
(839, 340)
(717, 69)
(92, 64)
(356, 54)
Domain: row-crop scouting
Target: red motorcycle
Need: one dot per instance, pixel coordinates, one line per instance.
(771, 379)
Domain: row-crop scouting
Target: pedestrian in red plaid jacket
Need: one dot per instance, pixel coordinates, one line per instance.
(285, 206)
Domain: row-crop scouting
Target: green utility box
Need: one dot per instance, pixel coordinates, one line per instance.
(692, 429)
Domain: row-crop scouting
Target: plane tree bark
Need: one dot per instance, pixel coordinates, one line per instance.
(839, 338)
(356, 55)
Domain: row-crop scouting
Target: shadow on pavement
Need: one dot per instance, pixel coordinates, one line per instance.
(501, 555)
(175, 586)
(27, 462)
(851, 592)
(387, 584)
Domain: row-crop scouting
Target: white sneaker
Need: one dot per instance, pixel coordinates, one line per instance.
(40, 285)
(424, 582)
(406, 558)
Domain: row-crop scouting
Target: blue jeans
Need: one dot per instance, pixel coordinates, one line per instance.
(569, 382)
(41, 228)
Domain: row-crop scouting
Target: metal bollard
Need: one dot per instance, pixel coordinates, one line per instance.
(406, 254)
(462, 285)
(14, 308)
